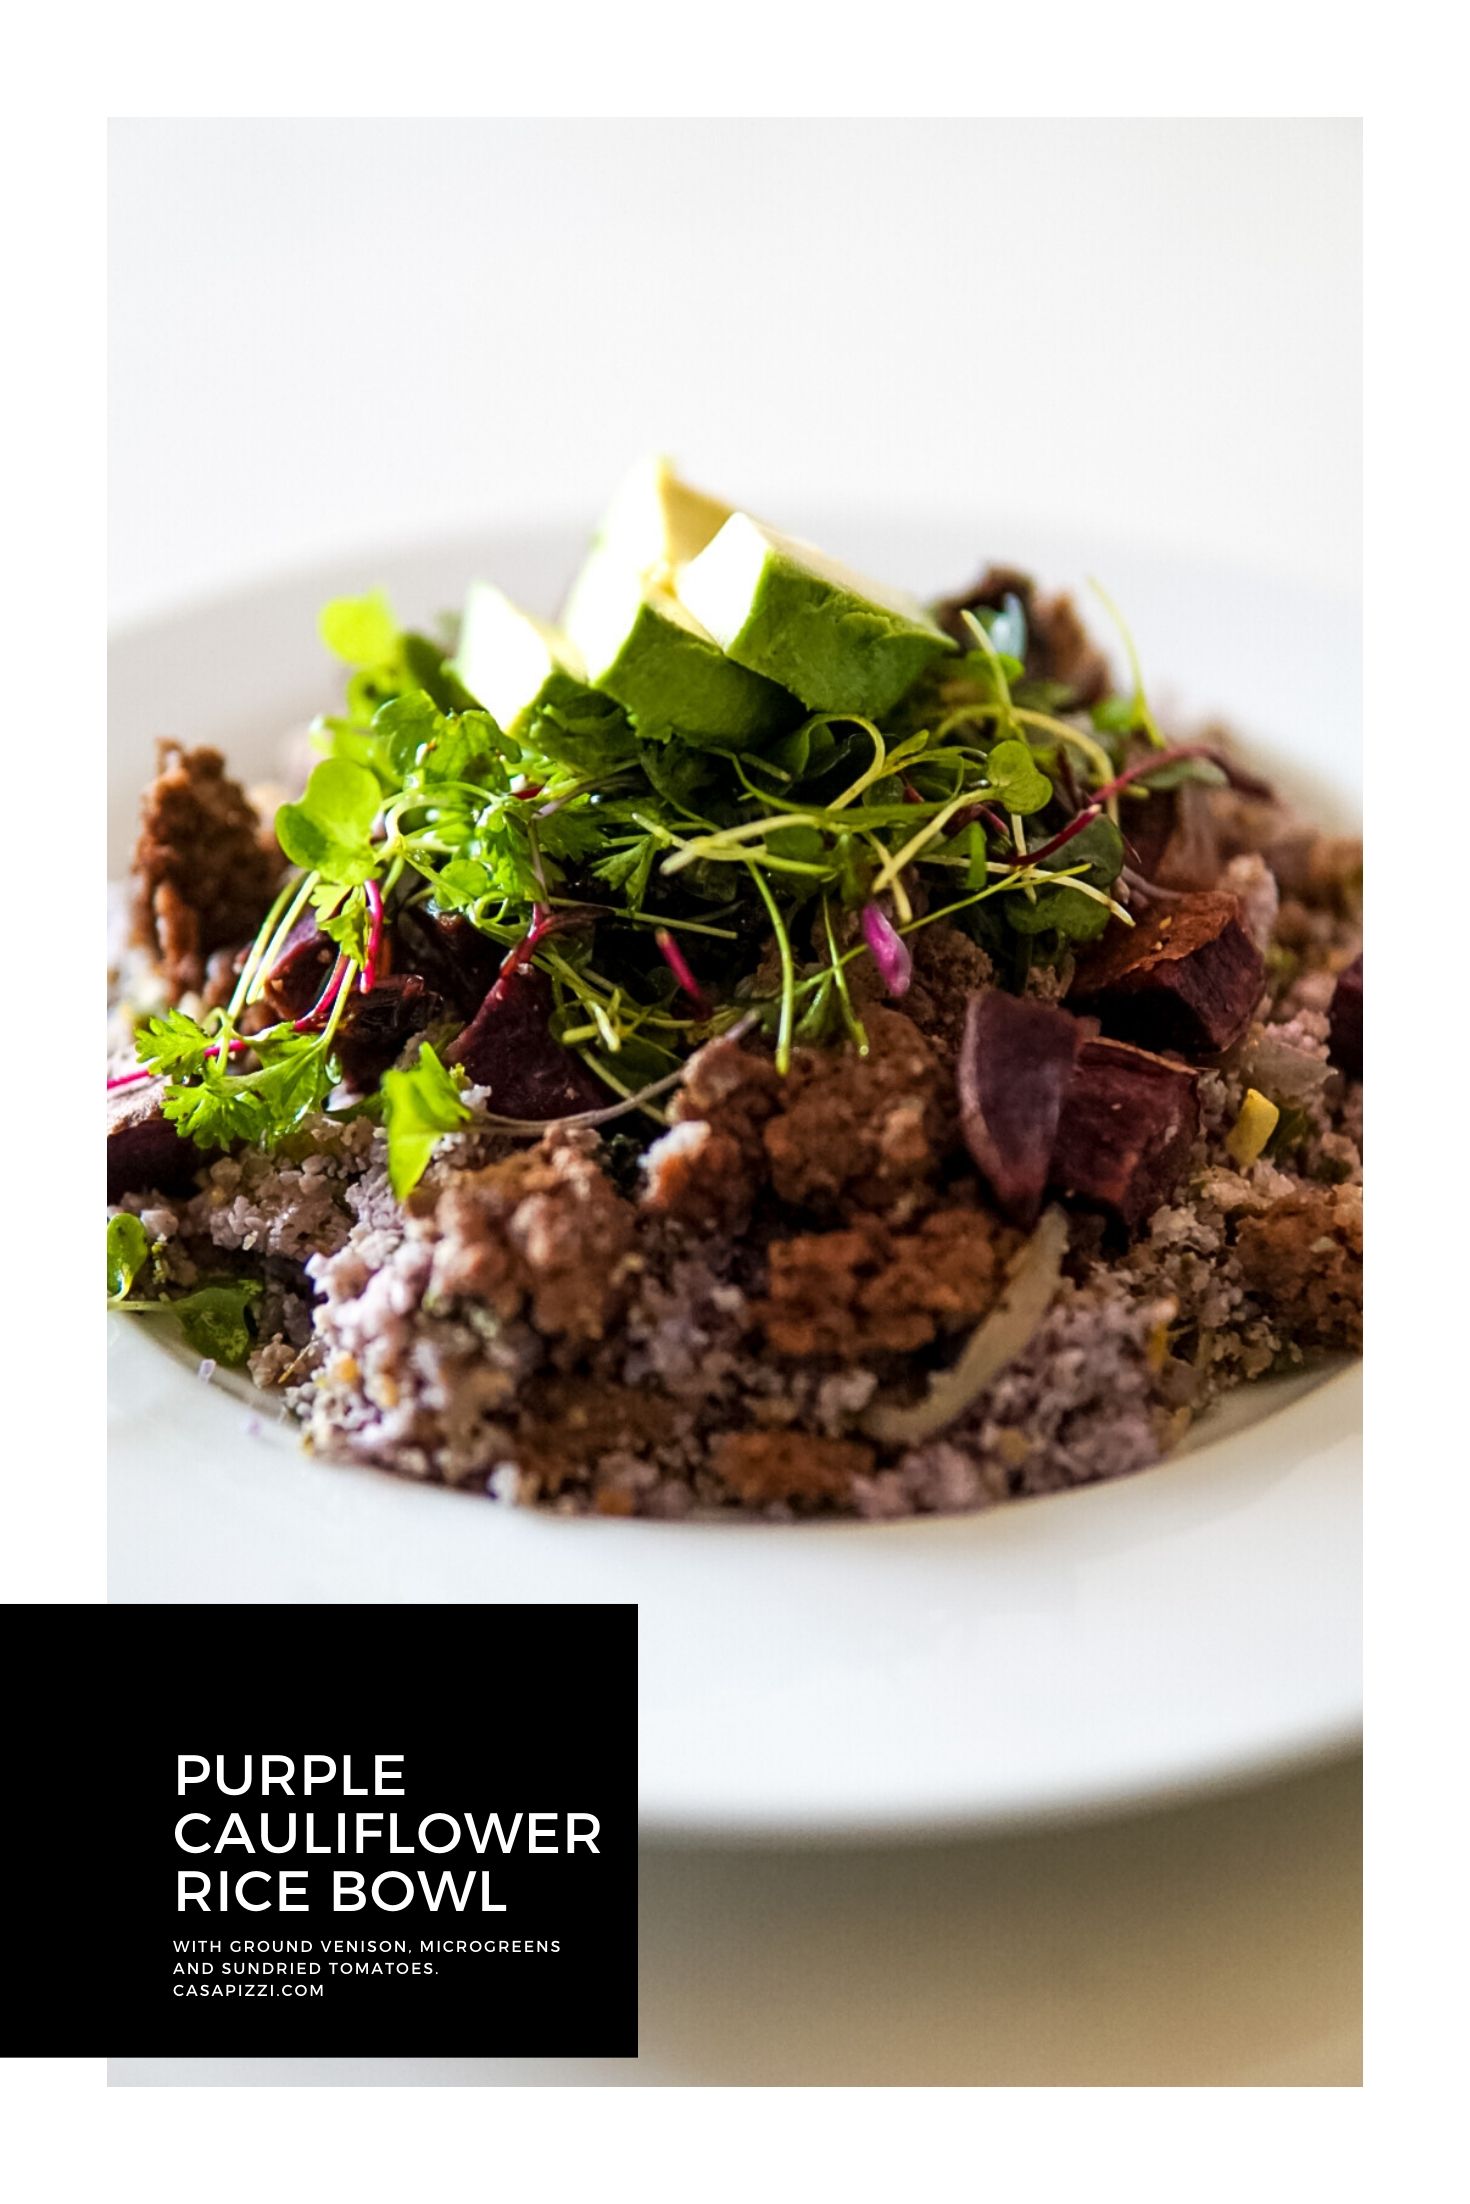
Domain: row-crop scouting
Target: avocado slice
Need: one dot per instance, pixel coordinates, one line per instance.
(513, 664)
(647, 650)
(657, 521)
(782, 608)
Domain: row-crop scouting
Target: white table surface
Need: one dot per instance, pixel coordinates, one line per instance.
(325, 335)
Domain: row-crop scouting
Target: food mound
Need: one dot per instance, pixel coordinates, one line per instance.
(763, 1043)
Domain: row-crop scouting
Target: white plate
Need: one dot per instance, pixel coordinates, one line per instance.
(1193, 1625)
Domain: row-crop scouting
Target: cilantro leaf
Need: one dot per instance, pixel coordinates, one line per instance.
(127, 1252)
(570, 834)
(294, 1079)
(629, 868)
(679, 774)
(345, 922)
(216, 1112)
(174, 1046)
(328, 830)
(591, 734)
(420, 1105)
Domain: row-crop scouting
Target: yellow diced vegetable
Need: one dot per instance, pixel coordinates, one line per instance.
(1249, 1134)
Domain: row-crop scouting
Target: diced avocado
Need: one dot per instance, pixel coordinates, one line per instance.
(784, 609)
(512, 663)
(644, 648)
(657, 522)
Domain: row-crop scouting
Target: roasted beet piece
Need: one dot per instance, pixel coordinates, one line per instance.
(375, 1027)
(1345, 1020)
(507, 1047)
(1147, 829)
(1187, 976)
(451, 953)
(295, 981)
(144, 1152)
(1126, 1129)
(1015, 1066)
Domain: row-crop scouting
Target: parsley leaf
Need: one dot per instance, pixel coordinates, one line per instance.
(220, 1107)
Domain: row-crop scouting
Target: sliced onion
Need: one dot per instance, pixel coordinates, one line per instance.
(996, 1341)
(889, 949)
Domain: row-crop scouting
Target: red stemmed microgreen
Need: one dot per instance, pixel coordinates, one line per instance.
(681, 968)
(889, 951)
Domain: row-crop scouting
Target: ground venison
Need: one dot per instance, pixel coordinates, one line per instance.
(1303, 1259)
(202, 876)
(869, 1289)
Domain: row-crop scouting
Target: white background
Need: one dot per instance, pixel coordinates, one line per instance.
(331, 335)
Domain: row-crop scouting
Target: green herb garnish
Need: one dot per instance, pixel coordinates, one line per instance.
(588, 840)
(420, 1105)
(213, 1318)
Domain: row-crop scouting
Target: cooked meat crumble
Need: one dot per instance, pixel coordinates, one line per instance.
(203, 876)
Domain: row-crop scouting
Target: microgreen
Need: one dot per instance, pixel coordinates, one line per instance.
(215, 1322)
(594, 844)
(361, 630)
(1078, 911)
(127, 1252)
(329, 831)
(1017, 783)
(1118, 715)
(213, 1317)
(420, 1105)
